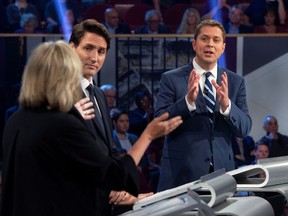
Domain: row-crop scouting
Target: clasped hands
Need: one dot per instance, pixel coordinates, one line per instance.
(125, 198)
(221, 90)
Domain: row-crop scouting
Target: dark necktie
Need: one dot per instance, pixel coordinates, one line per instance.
(209, 97)
(97, 111)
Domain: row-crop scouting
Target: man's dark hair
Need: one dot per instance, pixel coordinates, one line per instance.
(91, 26)
(209, 22)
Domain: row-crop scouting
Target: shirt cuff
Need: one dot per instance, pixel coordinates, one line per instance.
(227, 111)
(191, 107)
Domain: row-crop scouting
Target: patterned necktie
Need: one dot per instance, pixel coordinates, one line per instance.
(96, 109)
(209, 97)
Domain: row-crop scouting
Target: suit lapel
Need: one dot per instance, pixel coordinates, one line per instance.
(105, 115)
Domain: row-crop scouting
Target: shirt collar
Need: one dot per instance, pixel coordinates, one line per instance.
(84, 83)
(201, 71)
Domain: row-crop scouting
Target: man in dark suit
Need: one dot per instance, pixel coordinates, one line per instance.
(113, 24)
(202, 144)
(91, 42)
(153, 18)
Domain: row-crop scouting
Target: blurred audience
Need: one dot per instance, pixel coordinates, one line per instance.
(28, 24)
(55, 20)
(15, 11)
(110, 95)
(142, 115)
(256, 11)
(235, 24)
(218, 10)
(113, 24)
(190, 19)
(154, 24)
(270, 23)
(278, 142)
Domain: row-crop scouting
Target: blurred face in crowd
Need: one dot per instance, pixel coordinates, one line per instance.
(70, 16)
(110, 97)
(29, 27)
(209, 46)
(92, 51)
(269, 18)
(154, 22)
(112, 17)
(235, 16)
(271, 125)
(191, 18)
(122, 123)
(262, 152)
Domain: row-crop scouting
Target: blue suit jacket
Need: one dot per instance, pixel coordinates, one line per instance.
(188, 150)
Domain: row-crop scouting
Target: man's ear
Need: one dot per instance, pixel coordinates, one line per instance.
(72, 45)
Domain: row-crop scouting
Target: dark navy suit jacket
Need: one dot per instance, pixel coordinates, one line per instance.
(188, 150)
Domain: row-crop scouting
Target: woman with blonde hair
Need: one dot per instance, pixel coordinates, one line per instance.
(51, 162)
(190, 19)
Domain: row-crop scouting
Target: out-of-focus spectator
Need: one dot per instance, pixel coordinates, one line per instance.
(191, 18)
(235, 24)
(28, 24)
(53, 18)
(154, 24)
(270, 23)
(113, 24)
(15, 11)
(143, 114)
(257, 8)
(217, 10)
(278, 142)
(110, 95)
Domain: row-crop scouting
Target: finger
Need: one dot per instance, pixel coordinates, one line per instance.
(162, 117)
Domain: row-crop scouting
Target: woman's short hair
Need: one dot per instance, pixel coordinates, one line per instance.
(52, 77)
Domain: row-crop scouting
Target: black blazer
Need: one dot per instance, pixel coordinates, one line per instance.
(52, 166)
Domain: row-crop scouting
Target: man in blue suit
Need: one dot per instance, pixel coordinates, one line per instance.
(202, 144)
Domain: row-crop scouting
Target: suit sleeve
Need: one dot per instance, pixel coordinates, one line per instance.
(239, 119)
(79, 151)
(168, 101)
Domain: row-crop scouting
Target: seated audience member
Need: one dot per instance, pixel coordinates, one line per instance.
(28, 24)
(123, 141)
(255, 12)
(112, 22)
(278, 142)
(69, 20)
(141, 116)
(15, 11)
(110, 95)
(190, 19)
(270, 24)
(48, 143)
(243, 150)
(154, 25)
(55, 20)
(235, 25)
(261, 150)
(218, 10)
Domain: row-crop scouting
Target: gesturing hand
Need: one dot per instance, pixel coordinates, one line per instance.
(193, 88)
(222, 92)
